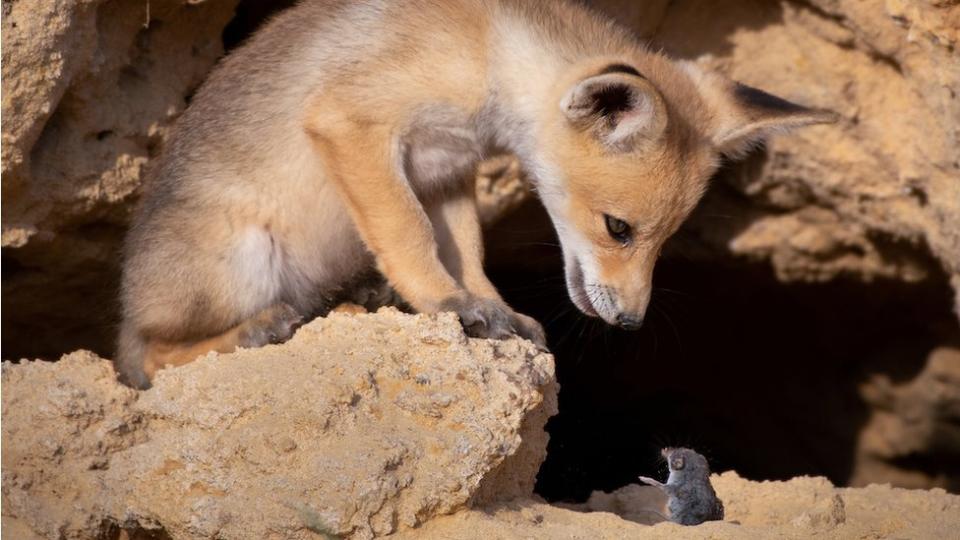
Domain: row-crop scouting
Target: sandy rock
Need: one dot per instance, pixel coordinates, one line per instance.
(501, 188)
(799, 508)
(643, 504)
(62, 422)
(90, 91)
(92, 87)
(358, 426)
(913, 419)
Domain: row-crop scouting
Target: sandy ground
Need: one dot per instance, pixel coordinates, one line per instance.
(799, 508)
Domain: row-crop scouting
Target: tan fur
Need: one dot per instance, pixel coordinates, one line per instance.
(160, 354)
(274, 323)
(344, 135)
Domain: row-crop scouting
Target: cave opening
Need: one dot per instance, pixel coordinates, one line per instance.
(761, 376)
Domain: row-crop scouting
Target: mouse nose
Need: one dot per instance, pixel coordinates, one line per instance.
(629, 322)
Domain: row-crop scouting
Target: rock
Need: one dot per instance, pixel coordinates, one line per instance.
(90, 90)
(62, 424)
(911, 420)
(501, 188)
(94, 86)
(798, 508)
(358, 426)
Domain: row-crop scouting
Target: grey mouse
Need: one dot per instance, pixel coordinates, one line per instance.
(691, 499)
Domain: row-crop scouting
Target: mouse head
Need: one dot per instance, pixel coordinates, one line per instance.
(685, 463)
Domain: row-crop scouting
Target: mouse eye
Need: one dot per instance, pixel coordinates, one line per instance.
(618, 229)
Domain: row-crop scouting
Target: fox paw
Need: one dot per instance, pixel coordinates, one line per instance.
(529, 329)
(275, 324)
(493, 319)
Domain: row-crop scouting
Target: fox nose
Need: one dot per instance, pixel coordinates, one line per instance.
(629, 322)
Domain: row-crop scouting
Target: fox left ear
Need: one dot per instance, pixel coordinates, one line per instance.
(620, 107)
(744, 116)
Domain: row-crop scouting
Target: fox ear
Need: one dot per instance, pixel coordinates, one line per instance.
(622, 108)
(743, 116)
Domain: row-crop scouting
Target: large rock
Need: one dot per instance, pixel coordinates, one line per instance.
(358, 426)
(913, 423)
(90, 89)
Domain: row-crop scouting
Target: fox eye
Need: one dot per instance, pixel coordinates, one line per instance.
(618, 229)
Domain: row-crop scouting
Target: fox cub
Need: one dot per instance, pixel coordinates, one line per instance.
(343, 137)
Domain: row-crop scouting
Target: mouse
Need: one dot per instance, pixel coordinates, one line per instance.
(691, 499)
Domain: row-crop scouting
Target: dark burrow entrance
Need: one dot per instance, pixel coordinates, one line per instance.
(758, 375)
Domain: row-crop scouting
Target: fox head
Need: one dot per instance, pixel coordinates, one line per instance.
(627, 156)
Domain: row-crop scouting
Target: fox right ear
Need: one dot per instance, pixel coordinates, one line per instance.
(622, 109)
(743, 116)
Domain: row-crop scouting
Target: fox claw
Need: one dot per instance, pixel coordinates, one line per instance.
(273, 325)
(493, 319)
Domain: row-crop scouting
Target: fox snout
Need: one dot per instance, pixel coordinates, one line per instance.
(629, 321)
(631, 306)
(619, 302)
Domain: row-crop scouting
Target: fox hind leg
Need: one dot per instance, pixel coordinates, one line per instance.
(183, 299)
(274, 324)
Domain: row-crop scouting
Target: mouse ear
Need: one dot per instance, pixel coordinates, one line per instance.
(742, 116)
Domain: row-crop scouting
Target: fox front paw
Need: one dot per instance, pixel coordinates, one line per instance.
(529, 329)
(275, 324)
(493, 319)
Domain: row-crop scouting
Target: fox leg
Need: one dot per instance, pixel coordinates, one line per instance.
(361, 160)
(275, 324)
(141, 355)
(457, 230)
(183, 297)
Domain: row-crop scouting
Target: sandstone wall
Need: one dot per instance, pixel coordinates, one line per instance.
(90, 90)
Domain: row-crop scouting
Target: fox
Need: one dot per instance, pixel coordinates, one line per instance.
(343, 137)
